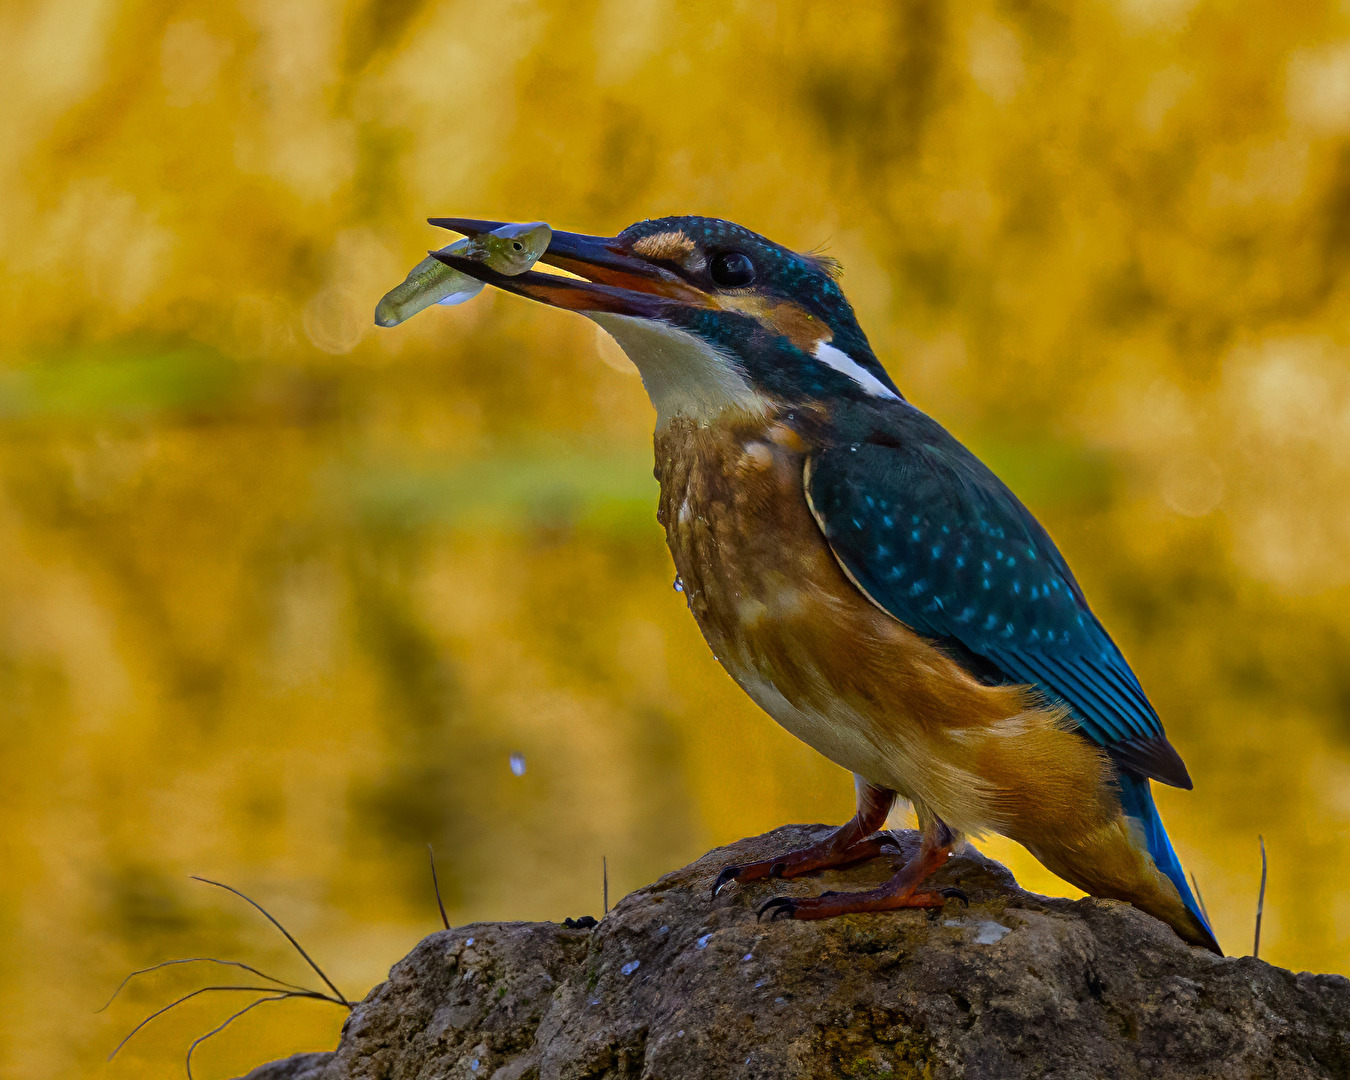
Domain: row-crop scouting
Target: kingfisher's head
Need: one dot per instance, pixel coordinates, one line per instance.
(715, 317)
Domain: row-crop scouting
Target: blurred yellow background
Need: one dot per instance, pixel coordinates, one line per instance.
(282, 593)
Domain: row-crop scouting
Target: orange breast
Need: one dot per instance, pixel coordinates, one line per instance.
(737, 523)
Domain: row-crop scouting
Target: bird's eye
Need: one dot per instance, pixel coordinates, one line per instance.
(732, 269)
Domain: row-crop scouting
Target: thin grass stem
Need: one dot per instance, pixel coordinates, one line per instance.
(1199, 897)
(295, 944)
(217, 1030)
(431, 855)
(198, 960)
(207, 989)
(1260, 900)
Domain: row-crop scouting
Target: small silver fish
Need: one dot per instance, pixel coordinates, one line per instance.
(511, 250)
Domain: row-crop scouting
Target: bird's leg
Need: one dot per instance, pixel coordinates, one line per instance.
(851, 842)
(900, 892)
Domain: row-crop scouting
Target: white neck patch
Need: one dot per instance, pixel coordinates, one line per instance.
(841, 361)
(683, 374)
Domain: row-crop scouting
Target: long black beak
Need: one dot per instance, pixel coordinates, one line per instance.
(616, 281)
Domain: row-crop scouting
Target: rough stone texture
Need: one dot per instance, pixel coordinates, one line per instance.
(672, 986)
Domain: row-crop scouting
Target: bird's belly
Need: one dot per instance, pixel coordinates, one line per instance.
(836, 732)
(814, 659)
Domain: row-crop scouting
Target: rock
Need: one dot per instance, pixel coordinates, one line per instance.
(672, 986)
(295, 1067)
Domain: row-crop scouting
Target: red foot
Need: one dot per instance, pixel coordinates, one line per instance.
(821, 856)
(902, 891)
(848, 844)
(829, 904)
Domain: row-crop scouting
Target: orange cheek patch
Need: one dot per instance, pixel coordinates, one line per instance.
(782, 317)
(674, 246)
(798, 325)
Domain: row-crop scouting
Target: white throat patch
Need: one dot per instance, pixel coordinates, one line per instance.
(683, 374)
(842, 362)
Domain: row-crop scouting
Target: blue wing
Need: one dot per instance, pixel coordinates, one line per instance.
(938, 541)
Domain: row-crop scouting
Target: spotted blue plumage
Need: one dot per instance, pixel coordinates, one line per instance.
(937, 540)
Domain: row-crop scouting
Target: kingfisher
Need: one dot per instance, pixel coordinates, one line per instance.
(866, 579)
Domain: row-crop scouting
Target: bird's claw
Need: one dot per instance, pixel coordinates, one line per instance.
(734, 873)
(725, 878)
(776, 907)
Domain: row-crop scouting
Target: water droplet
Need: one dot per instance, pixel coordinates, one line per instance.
(748, 956)
(631, 967)
(702, 943)
(474, 1064)
(517, 764)
(679, 583)
(469, 944)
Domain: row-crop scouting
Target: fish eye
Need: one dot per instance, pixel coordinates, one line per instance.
(517, 245)
(732, 269)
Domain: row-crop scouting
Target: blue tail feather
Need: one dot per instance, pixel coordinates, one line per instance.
(1136, 797)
